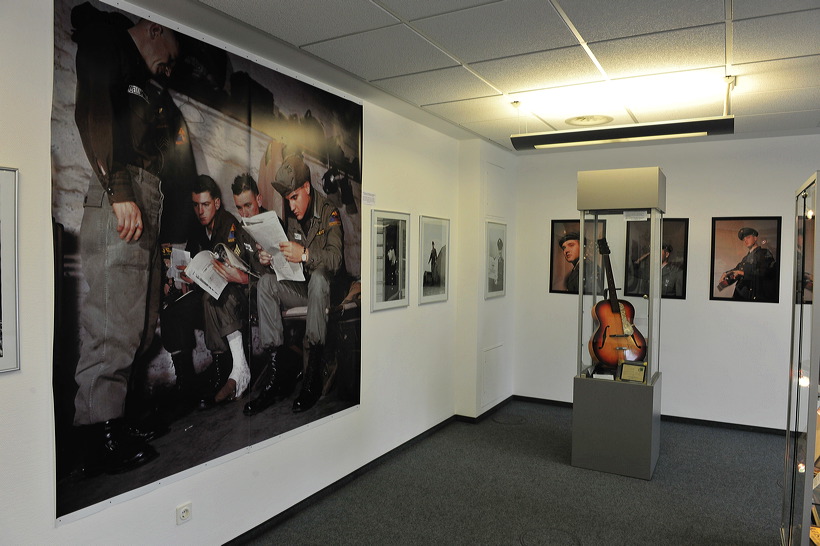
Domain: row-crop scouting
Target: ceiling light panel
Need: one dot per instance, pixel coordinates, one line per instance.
(553, 68)
(447, 84)
(418, 9)
(499, 29)
(383, 53)
(676, 90)
(776, 37)
(597, 20)
(557, 105)
(672, 51)
(301, 22)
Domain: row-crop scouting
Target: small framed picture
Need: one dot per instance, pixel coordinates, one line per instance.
(496, 258)
(746, 259)
(674, 245)
(9, 357)
(434, 243)
(389, 259)
(566, 251)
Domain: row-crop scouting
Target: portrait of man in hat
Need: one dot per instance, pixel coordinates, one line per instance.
(755, 274)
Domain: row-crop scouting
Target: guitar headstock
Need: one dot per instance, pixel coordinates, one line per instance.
(603, 247)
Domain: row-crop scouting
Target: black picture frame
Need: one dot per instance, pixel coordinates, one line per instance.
(675, 236)
(560, 267)
(729, 254)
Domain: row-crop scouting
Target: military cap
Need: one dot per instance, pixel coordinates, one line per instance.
(571, 235)
(745, 232)
(291, 175)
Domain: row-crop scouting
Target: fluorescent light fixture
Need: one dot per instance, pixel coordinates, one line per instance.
(626, 133)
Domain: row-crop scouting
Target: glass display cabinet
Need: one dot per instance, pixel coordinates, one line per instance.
(617, 388)
(801, 481)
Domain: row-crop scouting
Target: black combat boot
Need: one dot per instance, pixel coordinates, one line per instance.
(113, 450)
(312, 382)
(187, 394)
(220, 369)
(269, 394)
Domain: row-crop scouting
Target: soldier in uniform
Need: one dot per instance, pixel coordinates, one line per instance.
(316, 239)
(755, 276)
(222, 319)
(138, 148)
(571, 246)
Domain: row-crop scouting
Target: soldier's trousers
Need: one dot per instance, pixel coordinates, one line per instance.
(273, 295)
(119, 314)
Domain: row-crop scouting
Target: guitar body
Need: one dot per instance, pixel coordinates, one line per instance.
(616, 339)
(610, 345)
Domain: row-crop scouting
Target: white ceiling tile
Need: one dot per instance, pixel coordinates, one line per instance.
(790, 100)
(301, 22)
(501, 29)
(553, 68)
(801, 72)
(766, 123)
(499, 130)
(598, 20)
(685, 49)
(382, 53)
(743, 9)
(777, 37)
(445, 85)
(474, 110)
(426, 8)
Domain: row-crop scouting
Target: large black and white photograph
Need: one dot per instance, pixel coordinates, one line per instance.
(389, 238)
(674, 245)
(9, 357)
(209, 212)
(494, 285)
(567, 251)
(746, 259)
(434, 237)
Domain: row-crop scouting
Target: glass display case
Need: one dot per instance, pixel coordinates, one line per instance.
(618, 364)
(615, 329)
(801, 481)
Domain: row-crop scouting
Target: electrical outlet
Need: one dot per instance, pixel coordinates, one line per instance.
(184, 513)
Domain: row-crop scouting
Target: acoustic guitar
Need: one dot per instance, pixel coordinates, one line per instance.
(616, 340)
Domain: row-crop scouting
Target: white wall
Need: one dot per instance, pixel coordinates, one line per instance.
(721, 361)
(407, 380)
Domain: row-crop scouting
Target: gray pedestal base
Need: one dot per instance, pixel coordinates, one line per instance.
(616, 426)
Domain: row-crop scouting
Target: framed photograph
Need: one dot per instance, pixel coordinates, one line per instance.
(674, 247)
(9, 357)
(389, 259)
(566, 251)
(496, 258)
(434, 242)
(746, 259)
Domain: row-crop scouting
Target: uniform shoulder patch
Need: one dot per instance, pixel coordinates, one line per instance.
(334, 219)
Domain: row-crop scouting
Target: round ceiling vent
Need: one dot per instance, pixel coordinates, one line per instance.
(589, 121)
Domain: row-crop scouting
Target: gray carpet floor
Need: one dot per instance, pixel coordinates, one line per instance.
(508, 480)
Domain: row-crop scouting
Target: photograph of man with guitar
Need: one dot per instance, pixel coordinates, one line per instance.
(745, 259)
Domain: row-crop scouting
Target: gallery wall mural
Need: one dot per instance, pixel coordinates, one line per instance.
(165, 148)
